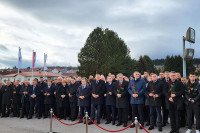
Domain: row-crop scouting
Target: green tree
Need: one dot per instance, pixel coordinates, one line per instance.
(104, 52)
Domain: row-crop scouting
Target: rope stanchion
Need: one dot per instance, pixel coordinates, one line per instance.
(66, 123)
(51, 117)
(110, 130)
(143, 128)
(86, 121)
(136, 121)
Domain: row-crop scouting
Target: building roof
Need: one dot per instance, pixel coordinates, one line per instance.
(35, 74)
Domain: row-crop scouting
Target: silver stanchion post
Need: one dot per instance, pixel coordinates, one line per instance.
(136, 122)
(86, 121)
(51, 117)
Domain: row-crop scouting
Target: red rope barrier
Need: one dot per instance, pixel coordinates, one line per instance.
(67, 124)
(144, 129)
(110, 130)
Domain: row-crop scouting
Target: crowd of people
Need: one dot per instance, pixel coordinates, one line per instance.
(150, 97)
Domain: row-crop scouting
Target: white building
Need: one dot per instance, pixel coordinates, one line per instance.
(28, 76)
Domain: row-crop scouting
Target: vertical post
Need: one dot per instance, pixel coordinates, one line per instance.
(86, 121)
(32, 63)
(184, 61)
(51, 117)
(136, 121)
(18, 62)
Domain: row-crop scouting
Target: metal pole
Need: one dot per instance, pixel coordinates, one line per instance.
(18, 63)
(32, 64)
(136, 121)
(51, 117)
(184, 61)
(86, 121)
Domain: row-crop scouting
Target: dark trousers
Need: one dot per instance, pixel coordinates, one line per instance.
(165, 112)
(174, 114)
(93, 107)
(190, 109)
(16, 109)
(156, 109)
(123, 115)
(47, 109)
(34, 103)
(138, 108)
(25, 108)
(110, 110)
(83, 110)
(147, 113)
(73, 108)
(5, 110)
(63, 112)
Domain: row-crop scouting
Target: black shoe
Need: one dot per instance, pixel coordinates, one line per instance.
(39, 117)
(172, 131)
(113, 123)
(150, 128)
(44, 117)
(107, 122)
(73, 119)
(21, 117)
(90, 123)
(119, 124)
(160, 129)
(30, 117)
(125, 124)
(98, 122)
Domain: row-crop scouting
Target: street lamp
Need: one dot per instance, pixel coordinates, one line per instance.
(188, 53)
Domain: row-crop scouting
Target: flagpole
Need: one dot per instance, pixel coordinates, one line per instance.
(18, 62)
(32, 62)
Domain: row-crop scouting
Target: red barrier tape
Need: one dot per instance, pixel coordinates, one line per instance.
(144, 129)
(68, 124)
(110, 130)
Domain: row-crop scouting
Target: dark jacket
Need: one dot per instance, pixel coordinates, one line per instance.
(122, 102)
(72, 89)
(139, 87)
(98, 89)
(7, 94)
(155, 88)
(16, 95)
(192, 91)
(50, 90)
(36, 91)
(176, 88)
(42, 86)
(62, 102)
(110, 99)
(86, 93)
(24, 97)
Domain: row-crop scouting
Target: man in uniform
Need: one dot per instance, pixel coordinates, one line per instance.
(192, 100)
(173, 93)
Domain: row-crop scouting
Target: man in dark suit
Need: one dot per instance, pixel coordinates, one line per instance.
(6, 98)
(97, 91)
(34, 93)
(48, 98)
(1, 87)
(41, 84)
(71, 91)
(25, 99)
(16, 99)
(122, 100)
(84, 95)
(173, 93)
(110, 100)
(155, 89)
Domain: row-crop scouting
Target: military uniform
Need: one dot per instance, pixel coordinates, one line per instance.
(176, 88)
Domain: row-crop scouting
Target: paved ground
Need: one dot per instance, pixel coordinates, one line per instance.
(16, 125)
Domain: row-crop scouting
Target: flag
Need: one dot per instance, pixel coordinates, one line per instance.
(20, 58)
(34, 59)
(45, 62)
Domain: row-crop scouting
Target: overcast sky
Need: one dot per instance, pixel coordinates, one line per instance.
(60, 28)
